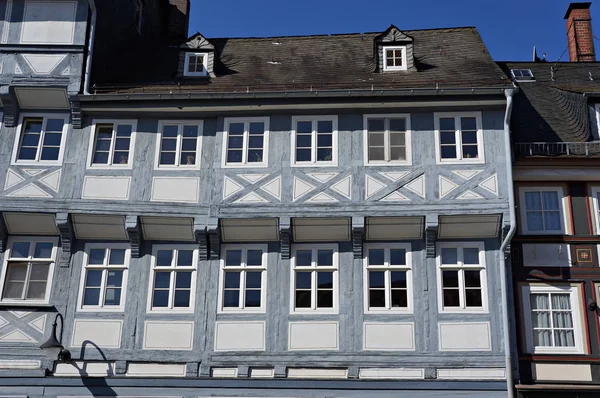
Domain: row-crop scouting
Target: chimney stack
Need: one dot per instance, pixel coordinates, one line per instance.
(579, 33)
(178, 20)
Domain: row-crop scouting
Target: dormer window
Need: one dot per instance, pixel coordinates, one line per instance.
(195, 64)
(394, 58)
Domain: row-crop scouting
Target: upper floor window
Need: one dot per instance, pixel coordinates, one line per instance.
(542, 210)
(246, 142)
(40, 140)
(552, 319)
(459, 138)
(387, 140)
(243, 278)
(461, 277)
(314, 141)
(104, 277)
(388, 278)
(394, 58)
(173, 278)
(179, 144)
(314, 278)
(112, 144)
(28, 269)
(195, 64)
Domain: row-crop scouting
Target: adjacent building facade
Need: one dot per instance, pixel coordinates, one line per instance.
(289, 216)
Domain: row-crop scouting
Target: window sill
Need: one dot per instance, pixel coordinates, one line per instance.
(244, 166)
(242, 312)
(101, 310)
(173, 168)
(390, 311)
(465, 311)
(460, 161)
(111, 167)
(16, 304)
(33, 163)
(403, 163)
(315, 164)
(554, 351)
(313, 312)
(167, 312)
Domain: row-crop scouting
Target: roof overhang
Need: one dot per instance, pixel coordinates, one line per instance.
(30, 223)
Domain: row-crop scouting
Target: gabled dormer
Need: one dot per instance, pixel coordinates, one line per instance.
(394, 50)
(197, 58)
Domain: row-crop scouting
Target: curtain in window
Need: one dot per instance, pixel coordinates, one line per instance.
(562, 318)
(551, 213)
(533, 206)
(540, 319)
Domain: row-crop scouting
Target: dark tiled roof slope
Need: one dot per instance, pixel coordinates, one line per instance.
(553, 108)
(454, 57)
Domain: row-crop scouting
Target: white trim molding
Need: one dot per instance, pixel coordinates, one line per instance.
(391, 68)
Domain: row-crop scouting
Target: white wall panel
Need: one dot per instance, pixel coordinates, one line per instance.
(313, 336)
(389, 336)
(49, 22)
(240, 336)
(171, 335)
(102, 332)
(465, 336)
(113, 188)
(175, 189)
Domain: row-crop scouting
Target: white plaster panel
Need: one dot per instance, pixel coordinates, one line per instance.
(317, 373)
(465, 336)
(389, 336)
(240, 336)
(391, 373)
(114, 188)
(262, 372)
(17, 336)
(43, 64)
(561, 372)
(19, 364)
(546, 255)
(175, 189)
(472, 374)
(313, 336)
(48, 22)
(224, 372)
(30, 191)
(102, 332)
(160, 335)
(81, 368)
(156, 370)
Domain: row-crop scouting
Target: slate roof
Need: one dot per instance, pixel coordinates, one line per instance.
(553, 108)
(454, 57)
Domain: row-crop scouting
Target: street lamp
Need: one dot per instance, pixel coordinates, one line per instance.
(54, 345)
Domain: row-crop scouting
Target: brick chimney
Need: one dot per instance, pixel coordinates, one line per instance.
(579, 33)
(178, 20)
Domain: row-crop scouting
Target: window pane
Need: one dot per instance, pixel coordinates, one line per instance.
(325, 299)
(36, 290)
(303, 258)
(542, 338)
(257, 128)
(52, 139)
(234, 156)
(324, 140)
(231, 298)
(448, 152)
(324, 155)
(376, 154)
(470, 255)
(398, 125)
(236, 128)
(255, 156)
(39, 272)
(124, 130)
(561, 302)
(253, 280)
(397, 257)
(255, 142)
(473, 278)
(533, 201)
(162, 280)
(450, 278)
(377, 298)
(470, 152)
(189, 144)
(397, 153)
(170, 132)
(182, 298)
(253, 298)
(303, 280)
(552, 220)
(120, 157)
(160, 298)
(167, 158)
(449, 255)
(235, 142)
(112, 296)
(50, 153)
(473, 298)
(100, 158)
(398, 279)
(20, 250)
(303, 155)
(377, 279)
(96, 256)
(167, 145)
(304, 127)
(469, 137)
(535, 221)
(564, 338)
(447, 124)
(303, 141)
(27, 153)
(448, 138)
(376, 124)
(376, 256)
(183, 280)
(117, 257)
(325, 280)
(399, 298)
(17, 272)
(539, 302)
(451, 298)
(91, 296)
(188, 158)
(468, 123)
(232, 280)
(93, 278)
(397, 139)
(115, 279)
(324, 126)
(185, 258)
(303, 299)
(233, 258)
(164, 258)
(325, 258)
(254, 258)
(550, 200)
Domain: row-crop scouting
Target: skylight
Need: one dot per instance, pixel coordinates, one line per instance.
(522, 74)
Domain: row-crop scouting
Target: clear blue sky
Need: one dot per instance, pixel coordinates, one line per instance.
(509, 28)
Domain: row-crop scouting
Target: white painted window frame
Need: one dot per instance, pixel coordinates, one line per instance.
(407, 140)
(388, 268)
(244, 163)
(173, 269)
(334, 141)
(458, 138)
(461, 267)
(314, 269)
(92, 144)
(38, 161)
(576, 311)
(595, 193)
(178, 150)
(243, 268)
(188, 55)
(104, 268)
(7, 259)
(394, 68)
(561, 208)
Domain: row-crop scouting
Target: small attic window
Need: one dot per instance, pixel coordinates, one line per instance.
(522, 75)
(394, 58)
(195, 64)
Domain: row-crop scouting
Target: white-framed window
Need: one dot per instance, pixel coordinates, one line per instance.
(459, 138)
(388, 278)
(314, 141)
(542, 210)
(195, 64)
(522, 75)
(243, 278)
(552, 317)
(462, 282)
(246, 142)
(28, 269)
(104, 277)
(387, 140)
(596, 205)
(314, 278)
(394, 58)
(112, 144)
(40, 139)
(179, 144)
(173, 278)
